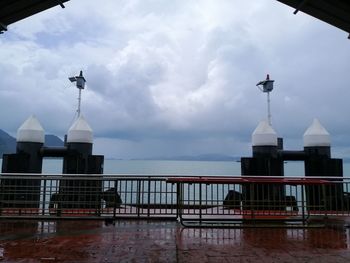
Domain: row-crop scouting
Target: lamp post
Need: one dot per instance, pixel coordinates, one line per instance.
(80, 84)
(266, 86)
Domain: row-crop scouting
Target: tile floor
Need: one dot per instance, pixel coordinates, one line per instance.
(162, 241)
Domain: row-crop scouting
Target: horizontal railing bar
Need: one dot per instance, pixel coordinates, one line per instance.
(161, 177)
(249, 180)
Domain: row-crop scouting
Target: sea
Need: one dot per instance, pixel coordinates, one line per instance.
(166, 167)
(190, 168)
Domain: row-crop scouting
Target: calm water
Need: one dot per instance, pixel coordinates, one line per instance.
(177, 167)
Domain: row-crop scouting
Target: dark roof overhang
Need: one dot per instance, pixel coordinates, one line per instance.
(334, 12)
(12, 11)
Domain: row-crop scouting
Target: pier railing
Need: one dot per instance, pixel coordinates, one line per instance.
(82, 196)
(199, 200)
(227, 201)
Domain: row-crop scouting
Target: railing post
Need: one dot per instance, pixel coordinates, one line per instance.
(324, 201)
(200, 203)
(177, 199)
(252, 201)
(59, 203)
(302, 204)
(138, 197)
(44, 198)
(149, 196)
(115, 198)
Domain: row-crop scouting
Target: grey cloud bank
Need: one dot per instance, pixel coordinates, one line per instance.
(176, 77)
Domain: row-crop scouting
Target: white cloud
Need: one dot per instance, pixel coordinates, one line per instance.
(175, 76)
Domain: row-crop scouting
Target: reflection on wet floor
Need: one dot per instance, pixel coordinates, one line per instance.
(271, 238)
(166, 241)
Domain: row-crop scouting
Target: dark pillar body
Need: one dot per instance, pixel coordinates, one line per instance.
(263, 196)
(80, 193)
(22, 193)
(318, 163)
(265, 162)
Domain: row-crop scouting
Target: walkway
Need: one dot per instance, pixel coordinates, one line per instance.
(160, 241)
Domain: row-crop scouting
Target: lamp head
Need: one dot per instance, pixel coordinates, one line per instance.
(79, 79)
(267, 84)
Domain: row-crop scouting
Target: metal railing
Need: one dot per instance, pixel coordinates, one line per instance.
(200, 200)
(82, 196)
(232, 201)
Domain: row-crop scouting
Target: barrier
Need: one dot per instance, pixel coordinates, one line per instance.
(194, 201)
(223, 201)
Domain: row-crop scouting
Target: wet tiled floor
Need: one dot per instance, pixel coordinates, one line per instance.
(161, 241)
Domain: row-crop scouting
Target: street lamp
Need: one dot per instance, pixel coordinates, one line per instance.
(80, 84)
(267, 86)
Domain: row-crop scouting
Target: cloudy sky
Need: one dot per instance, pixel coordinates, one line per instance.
(177, 77)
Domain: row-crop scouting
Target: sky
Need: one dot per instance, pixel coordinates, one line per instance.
(169, 78)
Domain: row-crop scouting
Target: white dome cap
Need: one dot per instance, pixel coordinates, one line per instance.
(264, 135)
(80, 131)
(31, 131)
(316, 135)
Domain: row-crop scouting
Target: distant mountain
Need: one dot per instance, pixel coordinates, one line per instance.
(8, 143)
(201, 157)
(53, 141)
